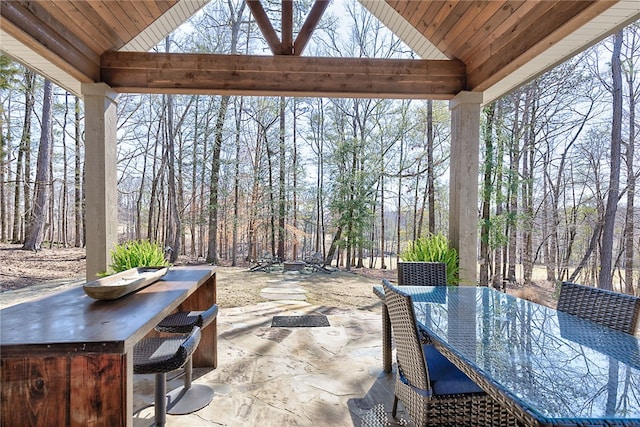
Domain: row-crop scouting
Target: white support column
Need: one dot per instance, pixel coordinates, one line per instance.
(100, 180)
(463, 182)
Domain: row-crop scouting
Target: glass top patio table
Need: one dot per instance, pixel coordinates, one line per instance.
(548, 367)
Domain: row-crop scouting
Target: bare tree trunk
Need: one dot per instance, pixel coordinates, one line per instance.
(49, 229)
(528, 162)
(500, 253)
(202, 199)
(23, 154)
(606, 252)
(236, 183)
(399, 199)
(281, 183)
(294, 165)
(272, 207)
(83, 190)
(487, 188)
(174, 223)
(546, 220)
(593, 242)
(63, 201)
(417, 218)
(513, 184)
(360, 155)
(202, 225)
(141, 193)
(5, 148)
(179, 184)
(334, 246)
(77, 177)
(193, 210)
(319, 240)
(212, 256)
(154, 199)
(27, 193)
(629, 225)
(563, 270)
(431, 179)
(383, 228)
(36, 226)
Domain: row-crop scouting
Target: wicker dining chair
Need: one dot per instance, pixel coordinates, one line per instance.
(615, 310)
(422, 273)
(431, 388)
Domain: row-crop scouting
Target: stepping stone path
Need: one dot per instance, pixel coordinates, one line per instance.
(284, 288)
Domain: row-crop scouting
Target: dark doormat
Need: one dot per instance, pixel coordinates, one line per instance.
(308, 321)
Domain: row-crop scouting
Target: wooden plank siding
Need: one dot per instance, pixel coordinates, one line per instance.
(505, 55)
(456, 15)
(76, 22)
(472, 22)
(492, 38)
(23, 23)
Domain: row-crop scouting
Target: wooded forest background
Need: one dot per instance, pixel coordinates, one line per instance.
(231, 178)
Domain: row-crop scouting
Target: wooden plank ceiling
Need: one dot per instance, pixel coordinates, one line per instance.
(478, 43)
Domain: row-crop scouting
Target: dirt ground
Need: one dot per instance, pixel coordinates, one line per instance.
(20, 269)
(25, 274)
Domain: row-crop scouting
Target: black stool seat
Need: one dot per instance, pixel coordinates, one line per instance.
(184, 321)
(159, 356)
(189, 397)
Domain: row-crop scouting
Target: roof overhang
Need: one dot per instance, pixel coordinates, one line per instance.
(500, 45)
(602, 19)
(601, 26)
(56, 69)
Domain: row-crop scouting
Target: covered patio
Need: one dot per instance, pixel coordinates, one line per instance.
(471, 54)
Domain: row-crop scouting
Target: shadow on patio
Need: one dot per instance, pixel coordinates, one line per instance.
(270, 376)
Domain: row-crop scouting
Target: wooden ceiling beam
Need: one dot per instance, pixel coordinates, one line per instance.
(265, 26)
(309, 26)
(287, 27)
(283, 75)
(38, 30)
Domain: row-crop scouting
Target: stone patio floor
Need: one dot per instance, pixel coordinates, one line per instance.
(301, 376)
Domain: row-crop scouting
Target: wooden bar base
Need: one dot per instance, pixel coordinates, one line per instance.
(66, 359)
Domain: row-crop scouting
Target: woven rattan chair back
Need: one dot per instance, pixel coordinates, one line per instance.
(409, 354)
(422, 274)
(612, 309)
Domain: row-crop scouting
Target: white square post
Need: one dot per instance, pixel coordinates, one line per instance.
(100, 103)
(463, 182)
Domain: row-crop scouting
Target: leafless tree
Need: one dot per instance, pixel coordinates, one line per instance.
(37, 218)
(606, 250)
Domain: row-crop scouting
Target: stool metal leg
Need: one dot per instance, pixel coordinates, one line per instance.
(161, 399)
(189, 397)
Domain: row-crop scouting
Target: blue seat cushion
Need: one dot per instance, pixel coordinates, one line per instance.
(445, 377)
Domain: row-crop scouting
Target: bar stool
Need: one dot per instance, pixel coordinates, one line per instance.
(159, 355)
(189, 397)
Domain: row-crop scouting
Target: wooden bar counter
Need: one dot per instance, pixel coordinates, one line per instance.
(67, 359)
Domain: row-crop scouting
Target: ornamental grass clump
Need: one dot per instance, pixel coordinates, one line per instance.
(434, 248)
(137, 253)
